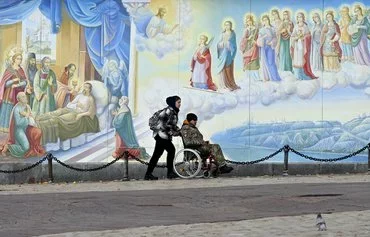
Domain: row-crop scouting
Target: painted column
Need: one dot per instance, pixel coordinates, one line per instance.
(133, 64)
(132, 71)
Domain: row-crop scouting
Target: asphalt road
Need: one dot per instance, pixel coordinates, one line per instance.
(37, 214)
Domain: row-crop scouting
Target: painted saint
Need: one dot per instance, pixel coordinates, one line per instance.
(330, 48)
(226, 52)
(316, 58)
(345, 38)
(125, 133)
(283, 42)
(45, 86)
(115, 78)
(267, 43)
(201, 66)
(157, 24)
(31, 69)
(24, 138)
(249, 49)
(276, 23)
(301, 49)
(360, 34)
(13, 81)
(66, 92)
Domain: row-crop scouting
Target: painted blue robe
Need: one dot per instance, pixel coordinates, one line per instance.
(227, 53)
(267, 54)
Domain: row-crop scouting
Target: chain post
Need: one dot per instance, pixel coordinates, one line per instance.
(368, 158)
(125, 174)
(50, 167)
(286, 159)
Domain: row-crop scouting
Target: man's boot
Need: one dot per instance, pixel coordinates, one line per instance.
(225, 169)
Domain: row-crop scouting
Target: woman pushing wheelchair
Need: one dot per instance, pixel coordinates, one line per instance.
(163, 123)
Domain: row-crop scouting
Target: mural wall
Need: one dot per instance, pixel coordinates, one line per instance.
(81, 78)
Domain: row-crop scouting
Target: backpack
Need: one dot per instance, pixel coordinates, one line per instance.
(154, 120)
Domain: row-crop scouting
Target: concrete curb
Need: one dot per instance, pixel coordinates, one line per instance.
(137, 171)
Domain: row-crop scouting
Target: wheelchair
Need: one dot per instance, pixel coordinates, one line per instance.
(188, 163)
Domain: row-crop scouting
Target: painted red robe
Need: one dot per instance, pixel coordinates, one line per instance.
(249, 54)
(205, 57)
(34, 136)
(63, 91)
(121, 148)
(10, 94)
(306, 56)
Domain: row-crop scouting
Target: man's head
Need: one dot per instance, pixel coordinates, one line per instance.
(275, 14)
(123, 101)
(249, 20)
(113, 66)
(203, 39)
(161, 12)
(45, 63)
(192, 118)
(70, 70)
(266, 20)
(344, 11)
(87, 89)
(22, 98)
(32, 60)
(286, 15)
(357, 10)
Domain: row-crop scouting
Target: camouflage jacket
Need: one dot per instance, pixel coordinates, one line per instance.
(191, 136)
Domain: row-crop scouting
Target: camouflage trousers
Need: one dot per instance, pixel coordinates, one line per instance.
(215, 149)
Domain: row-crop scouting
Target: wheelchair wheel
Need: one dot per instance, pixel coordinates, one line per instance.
(187, 163)
(206, 174)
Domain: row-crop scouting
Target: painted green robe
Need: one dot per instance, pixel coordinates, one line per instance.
(44, 100)
(125, 128)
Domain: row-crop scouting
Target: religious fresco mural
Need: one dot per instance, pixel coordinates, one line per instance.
(82, 78)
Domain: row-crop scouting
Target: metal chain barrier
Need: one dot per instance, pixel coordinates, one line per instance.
(330, 159)
(147, 163)
(24, 169)
(287, 148)
(255, 161)
(87, 170)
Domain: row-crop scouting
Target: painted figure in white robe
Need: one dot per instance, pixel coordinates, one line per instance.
(301, 49)
(201, 66)
(316, 58)
(158, 25)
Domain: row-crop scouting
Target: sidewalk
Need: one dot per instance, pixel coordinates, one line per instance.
(354, 223)
(177, 184)
(345, 224)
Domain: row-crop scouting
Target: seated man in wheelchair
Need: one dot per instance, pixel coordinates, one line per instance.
(192, 138)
